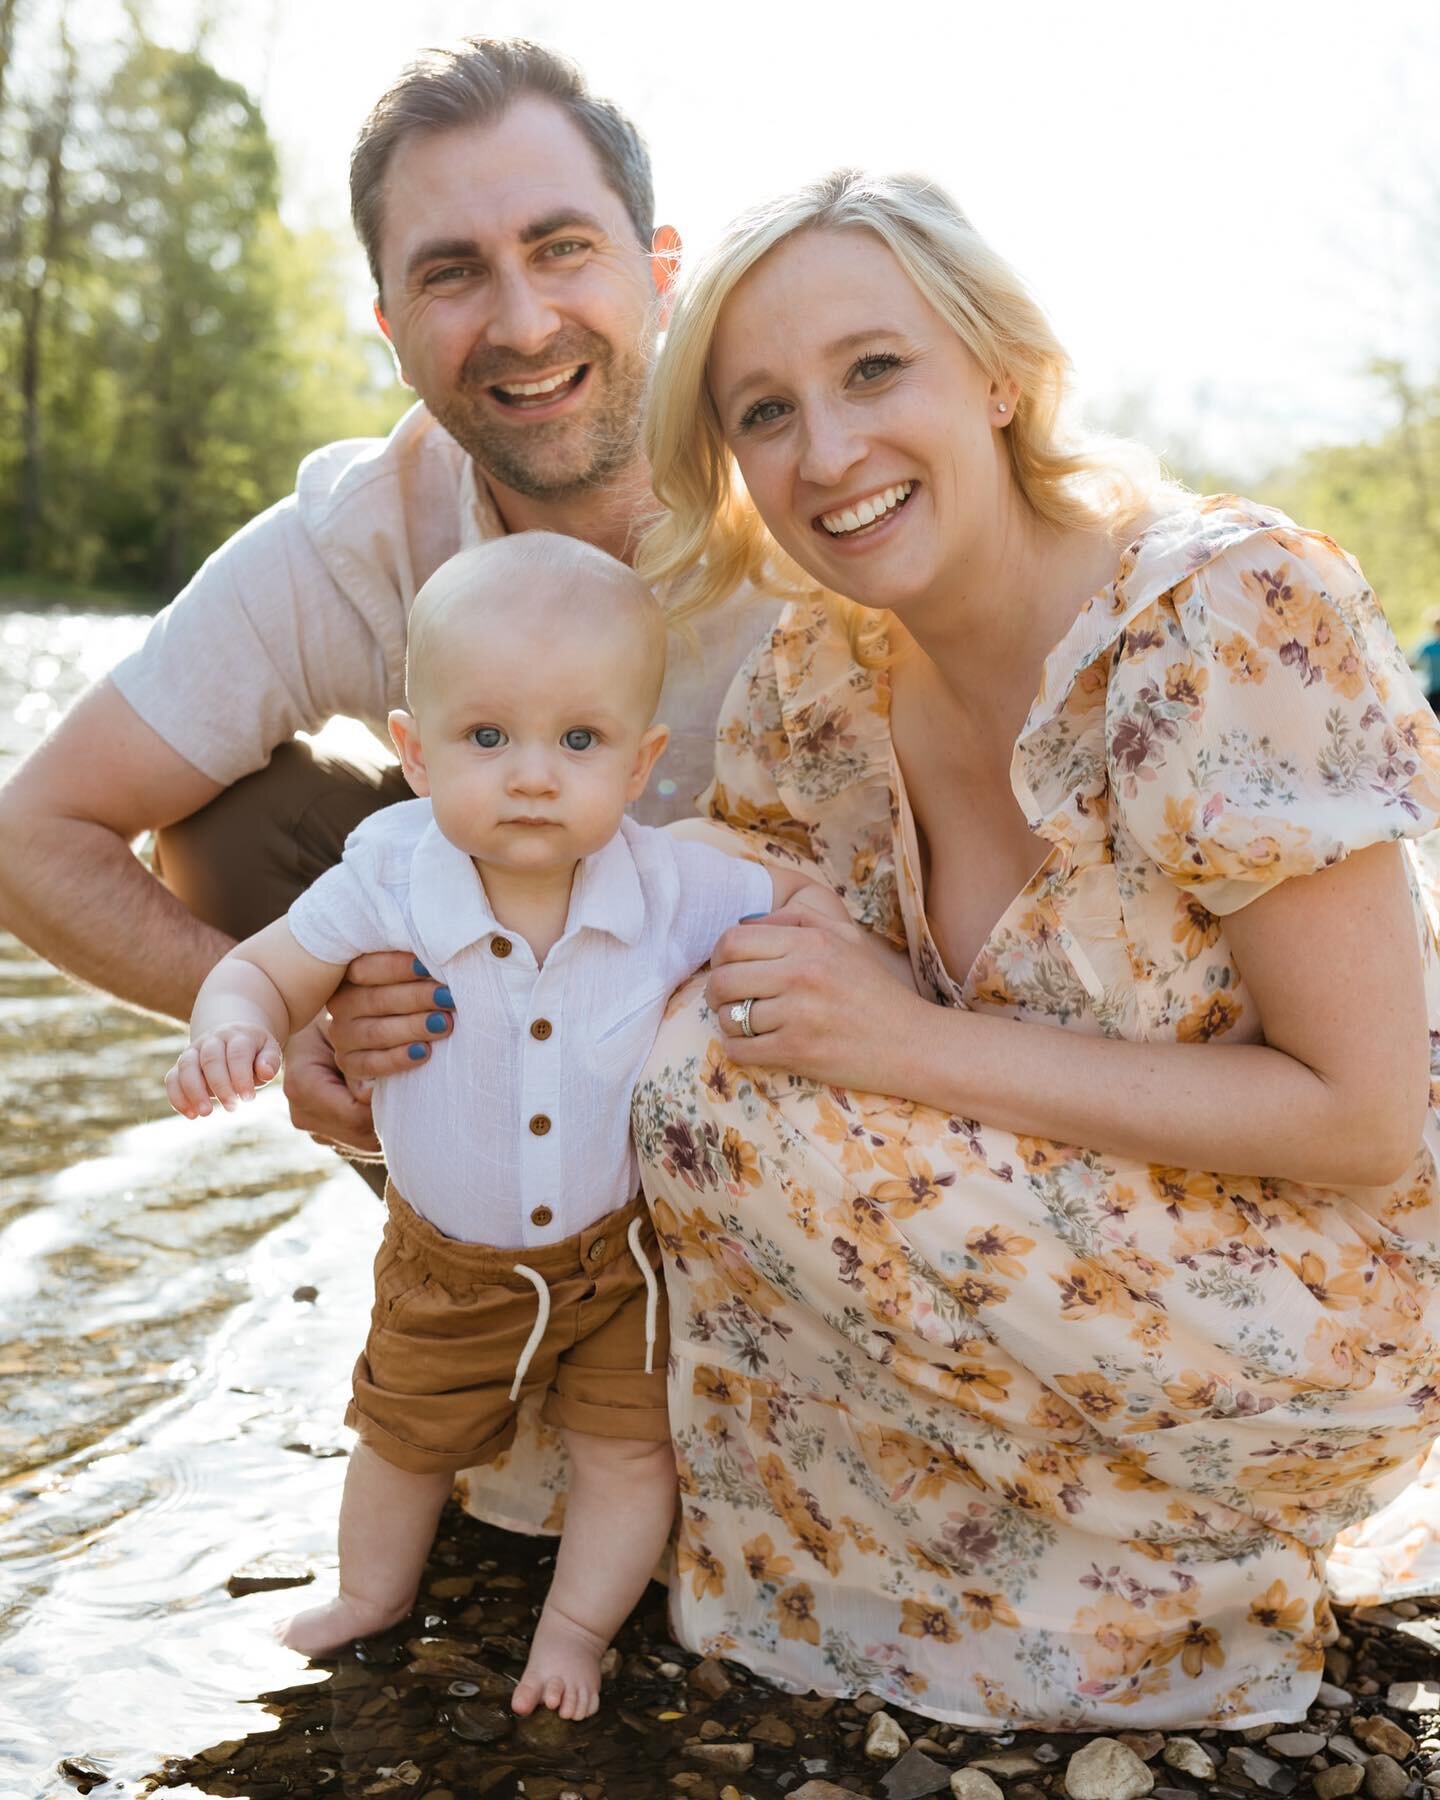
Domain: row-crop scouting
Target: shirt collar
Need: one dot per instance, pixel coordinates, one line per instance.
(450, 910)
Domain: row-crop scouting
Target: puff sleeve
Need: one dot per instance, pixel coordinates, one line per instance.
(1262, 723)
(750, 739)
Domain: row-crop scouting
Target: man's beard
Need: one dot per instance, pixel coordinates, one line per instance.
(557, 458)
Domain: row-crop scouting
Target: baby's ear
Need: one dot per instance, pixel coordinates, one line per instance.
(405, 735)
(649, 751)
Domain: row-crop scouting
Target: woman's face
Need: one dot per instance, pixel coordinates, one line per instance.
(867, 434)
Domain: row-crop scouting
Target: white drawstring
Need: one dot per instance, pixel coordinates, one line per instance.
(542, 1315)
(652, 1291)
(537, 1331)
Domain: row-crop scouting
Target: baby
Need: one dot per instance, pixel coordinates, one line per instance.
(517, 1255)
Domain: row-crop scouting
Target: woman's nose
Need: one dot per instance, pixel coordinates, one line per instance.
(830, 449)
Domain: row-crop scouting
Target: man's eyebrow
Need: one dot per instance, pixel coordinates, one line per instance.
(851, 341)
(442, 250)
(566, 219)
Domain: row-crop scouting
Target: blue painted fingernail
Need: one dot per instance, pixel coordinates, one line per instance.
(418, 1052)
(749, 918)
(419, 967)
(436, 1022)
(443, 997)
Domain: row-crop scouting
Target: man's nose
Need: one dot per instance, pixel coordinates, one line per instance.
(524, 318)
(830, 447)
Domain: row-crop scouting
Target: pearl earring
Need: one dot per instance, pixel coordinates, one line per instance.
(1001, 407)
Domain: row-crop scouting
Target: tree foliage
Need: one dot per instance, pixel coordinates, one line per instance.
(171, 348)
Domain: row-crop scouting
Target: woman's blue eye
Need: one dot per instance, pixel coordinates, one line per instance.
(488, 737)
(872, 367)
(579, 739)
(763, 412)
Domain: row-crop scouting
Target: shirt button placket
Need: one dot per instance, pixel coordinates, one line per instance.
(540, 1087)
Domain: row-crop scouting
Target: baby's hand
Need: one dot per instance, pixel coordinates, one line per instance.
(229, 1063)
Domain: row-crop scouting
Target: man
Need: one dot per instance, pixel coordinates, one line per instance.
(507, 216)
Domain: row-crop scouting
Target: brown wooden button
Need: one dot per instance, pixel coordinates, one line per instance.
(541, 1028)
(542, 1215)
(500, 946)
(540, 1124)
(596, 1250)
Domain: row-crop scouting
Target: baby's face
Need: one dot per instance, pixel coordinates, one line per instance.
(531, 748)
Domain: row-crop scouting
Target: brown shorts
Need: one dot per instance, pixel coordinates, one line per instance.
(432, 1386)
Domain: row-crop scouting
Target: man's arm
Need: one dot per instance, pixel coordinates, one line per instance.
(70, 885)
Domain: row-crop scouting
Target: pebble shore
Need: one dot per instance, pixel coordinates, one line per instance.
(422, 1712)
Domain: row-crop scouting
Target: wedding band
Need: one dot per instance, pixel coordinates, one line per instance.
(740, 1015)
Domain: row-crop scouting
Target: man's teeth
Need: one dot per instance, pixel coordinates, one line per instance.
(525, 390)
(867, 511)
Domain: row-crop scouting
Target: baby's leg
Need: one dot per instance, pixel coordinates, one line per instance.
(617, 1517)
(387, 1525)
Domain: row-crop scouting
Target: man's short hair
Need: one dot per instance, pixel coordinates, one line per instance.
(473, 82)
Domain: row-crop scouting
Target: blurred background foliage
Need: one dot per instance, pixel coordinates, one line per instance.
(170, 348)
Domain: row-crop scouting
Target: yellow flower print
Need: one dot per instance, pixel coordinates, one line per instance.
(804, 1210)
(1151, 1331)
(984, 1608)
(1131, 1473)
(918, 1190)
(741, 1159)
(1092, 1393)
(998, 1251)
(1198, 1648)
(795, 1609)
(1185, 685)
(761, 1561)
(718, 1073)
(801, 1515)
(1040, 1154)
(1338, 1292)
(1178, 847)
(700, 1563)
(1242, 659)
(1196, 929)
(1276, 1611)
(722, 1387)
(861, 1536)
(974, 1385)
(921, 1620)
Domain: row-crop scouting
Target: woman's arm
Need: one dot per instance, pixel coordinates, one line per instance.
(1336, 1096)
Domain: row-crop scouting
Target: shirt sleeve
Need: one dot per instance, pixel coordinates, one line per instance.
(260, 645)
(749, 739)
(715, 891)
(1262, 723)
(337, 918)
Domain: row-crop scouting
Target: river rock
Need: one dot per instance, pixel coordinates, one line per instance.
(734, 1759)
(1413, 1696)
(868, 1703)
(1147, 1745)
(1347, 1749)
(1104, 1769)
(1297, 1745)
(884, 1740)
(1263, 1771)
(1006, 1763)
(545, 1731)
(710, 1678)
(770, 1728)
(266, 1573)
(480, 1724)
(915, 1776)
(1383, 1736)
(1336, 1698)
(1385, 1779)
(974, 1784)
(1337, 1781)
(823, 1790)
(1184, 1754)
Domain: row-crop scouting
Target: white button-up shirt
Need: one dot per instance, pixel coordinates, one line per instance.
(516, 1131)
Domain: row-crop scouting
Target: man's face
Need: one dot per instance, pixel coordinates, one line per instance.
(521, 306)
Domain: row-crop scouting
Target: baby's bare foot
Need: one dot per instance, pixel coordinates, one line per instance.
(563, 1672)
(325, 1628)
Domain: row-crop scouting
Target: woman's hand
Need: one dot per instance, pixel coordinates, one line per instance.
(829, 1000)
(386, 1014)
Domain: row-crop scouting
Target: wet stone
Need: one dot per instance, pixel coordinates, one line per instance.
(1184, 1754)
(915, 1776)
(306, 1293)
(265, 1574)
(1147, 1745)
(867, 1703)
(1336, 1698)
(974, 1784)
(770, 1728)
(451, 1587)
(1104, 1769)
(709, 1678)
(1382, 1735)
(1338, 1780)
(823, 1790)
(884, 1740)
(1263, 1771)
(478, 1724)
(544, 1731)
(1385, 1779)
(1413, 1696)
(733, 1758)
(1007, 1764)
(1346, 1748)
(1297, 1745)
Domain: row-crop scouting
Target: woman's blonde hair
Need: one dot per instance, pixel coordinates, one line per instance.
(710, 540)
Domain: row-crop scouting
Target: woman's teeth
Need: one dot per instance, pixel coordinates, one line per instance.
(529, 390)
(856, 518)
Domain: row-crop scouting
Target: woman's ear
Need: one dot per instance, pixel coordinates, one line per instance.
(405, 735)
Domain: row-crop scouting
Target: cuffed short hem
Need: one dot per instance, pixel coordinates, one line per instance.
(417, 1460)
(648, 1424)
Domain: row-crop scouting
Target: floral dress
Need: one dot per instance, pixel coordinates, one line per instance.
(1008, 1430)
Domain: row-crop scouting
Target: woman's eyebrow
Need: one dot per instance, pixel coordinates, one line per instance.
(838, 347)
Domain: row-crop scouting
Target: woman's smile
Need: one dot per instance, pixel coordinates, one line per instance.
(858, 521)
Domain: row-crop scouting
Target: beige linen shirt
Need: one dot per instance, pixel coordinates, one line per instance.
(301, 616)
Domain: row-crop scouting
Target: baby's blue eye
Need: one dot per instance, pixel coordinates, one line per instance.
(488, 737)
(579, 739)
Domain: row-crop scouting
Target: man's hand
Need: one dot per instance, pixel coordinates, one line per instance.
(228, 1063)
(386, 1014)
(320, 1100)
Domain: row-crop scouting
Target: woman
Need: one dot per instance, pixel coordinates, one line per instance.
(992, 1398)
